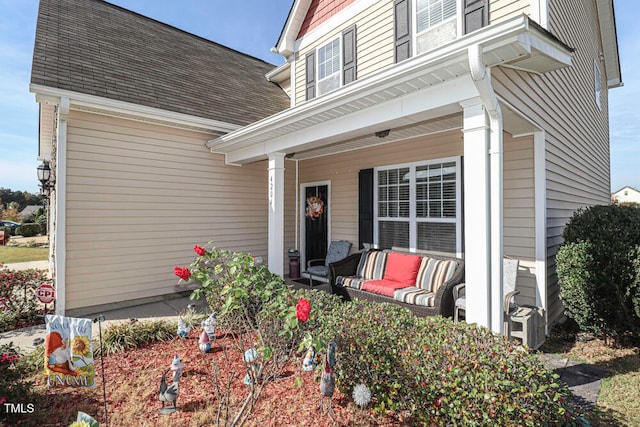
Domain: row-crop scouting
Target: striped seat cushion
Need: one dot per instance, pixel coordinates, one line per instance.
(350, 282)
(413, 295)
(433, 273)
(371, 266)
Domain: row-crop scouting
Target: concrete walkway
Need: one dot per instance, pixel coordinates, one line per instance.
(167, 309)
(40, 265)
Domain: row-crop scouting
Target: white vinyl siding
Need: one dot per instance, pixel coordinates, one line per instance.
(577, 139)
(501, 10)
(374, 44)
(139, 197)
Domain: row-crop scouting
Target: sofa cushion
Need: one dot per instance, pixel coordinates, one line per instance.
(382, 287)
(413, 295)
(433, 273)
(372, 264)
(402, 268)
(350, 281)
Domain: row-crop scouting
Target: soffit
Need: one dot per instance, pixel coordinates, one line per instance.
(515, 42)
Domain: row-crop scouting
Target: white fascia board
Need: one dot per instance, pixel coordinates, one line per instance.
(286, 44)
(545, 45)
(398, 111)
(79, 100)
(280, 73)
(609, 37)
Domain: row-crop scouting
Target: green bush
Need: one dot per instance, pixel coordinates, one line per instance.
(28, 230)
(128, 335)
(14, 388)
(444, 373)
(599, 270)
(17, 296)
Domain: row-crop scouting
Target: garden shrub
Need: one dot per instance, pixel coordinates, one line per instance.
(14, 388)
(444, 373)
(28, 230)
(128, 335)
(599, 270)
(17, 296)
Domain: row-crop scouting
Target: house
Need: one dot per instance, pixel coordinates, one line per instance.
(473, 128)
(29, 211)
(626, 195)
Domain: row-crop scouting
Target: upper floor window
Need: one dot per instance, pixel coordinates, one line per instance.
(597, 84)
(430, 13)
(329, 66)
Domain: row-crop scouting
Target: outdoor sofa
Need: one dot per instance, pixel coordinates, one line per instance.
(422, 283)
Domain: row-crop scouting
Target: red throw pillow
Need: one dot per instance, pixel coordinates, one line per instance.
(402, 268)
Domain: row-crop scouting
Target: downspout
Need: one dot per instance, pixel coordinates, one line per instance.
(482, 80)
(297, 203)
(60, 208)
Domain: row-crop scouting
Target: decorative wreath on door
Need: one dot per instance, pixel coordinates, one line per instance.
(315, 207)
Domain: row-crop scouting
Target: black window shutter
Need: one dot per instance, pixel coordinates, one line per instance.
(365, 207)
(310, 75)
(402, 29)
(476, 15)
(349, 55)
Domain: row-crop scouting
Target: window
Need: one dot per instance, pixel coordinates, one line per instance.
(329, 66)
(430, 13)
(597, 84)
(418, 206)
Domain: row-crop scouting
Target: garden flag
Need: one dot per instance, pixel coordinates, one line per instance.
(68, 353)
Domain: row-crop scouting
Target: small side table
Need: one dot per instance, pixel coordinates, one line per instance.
(527, 323)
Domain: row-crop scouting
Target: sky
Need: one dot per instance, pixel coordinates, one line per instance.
(252, 27)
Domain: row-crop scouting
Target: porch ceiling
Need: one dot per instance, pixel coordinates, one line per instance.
(415, 97)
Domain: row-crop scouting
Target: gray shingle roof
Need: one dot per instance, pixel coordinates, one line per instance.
(97, 48)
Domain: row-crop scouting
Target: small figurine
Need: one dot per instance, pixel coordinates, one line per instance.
(209, 326)
(250, 356)
(183, 329)
(169, 392)
(328, 378)
(203, 343)
(309, 363)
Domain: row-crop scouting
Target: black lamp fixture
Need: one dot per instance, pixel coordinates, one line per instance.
(44, 176)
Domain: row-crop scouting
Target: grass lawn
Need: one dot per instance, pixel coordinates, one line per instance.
(10, 254)
(618, 403)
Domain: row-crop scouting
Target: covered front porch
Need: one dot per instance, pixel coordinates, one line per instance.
(453, 168)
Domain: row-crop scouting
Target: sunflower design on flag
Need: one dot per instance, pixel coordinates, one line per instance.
(315, 207)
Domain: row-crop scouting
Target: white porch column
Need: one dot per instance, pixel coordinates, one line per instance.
(60, 215)
(276, 213)
(477, 222)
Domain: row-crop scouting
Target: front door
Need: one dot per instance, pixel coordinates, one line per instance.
(316, 221)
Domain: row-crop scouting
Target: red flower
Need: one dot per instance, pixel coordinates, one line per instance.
(303, 308)
(182, 272)
(199, 250)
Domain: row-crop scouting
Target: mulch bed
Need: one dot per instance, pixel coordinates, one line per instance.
(133, 377)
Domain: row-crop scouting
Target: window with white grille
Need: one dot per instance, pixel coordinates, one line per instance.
(418, 206)
(329, 66)
(430, 13)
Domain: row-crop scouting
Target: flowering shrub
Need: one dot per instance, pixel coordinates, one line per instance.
(255, 304)
(13, 386)
(17, 296)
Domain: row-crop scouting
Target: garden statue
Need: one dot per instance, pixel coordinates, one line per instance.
(209, 326)
(250, 356)
(309, 363)
(203, 343)
(183, 329)
(328, 378)
(169, 392)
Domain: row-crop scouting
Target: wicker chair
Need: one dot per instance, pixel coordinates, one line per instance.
(338, 250)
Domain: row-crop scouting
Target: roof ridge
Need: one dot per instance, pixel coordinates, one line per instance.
(172, 27)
